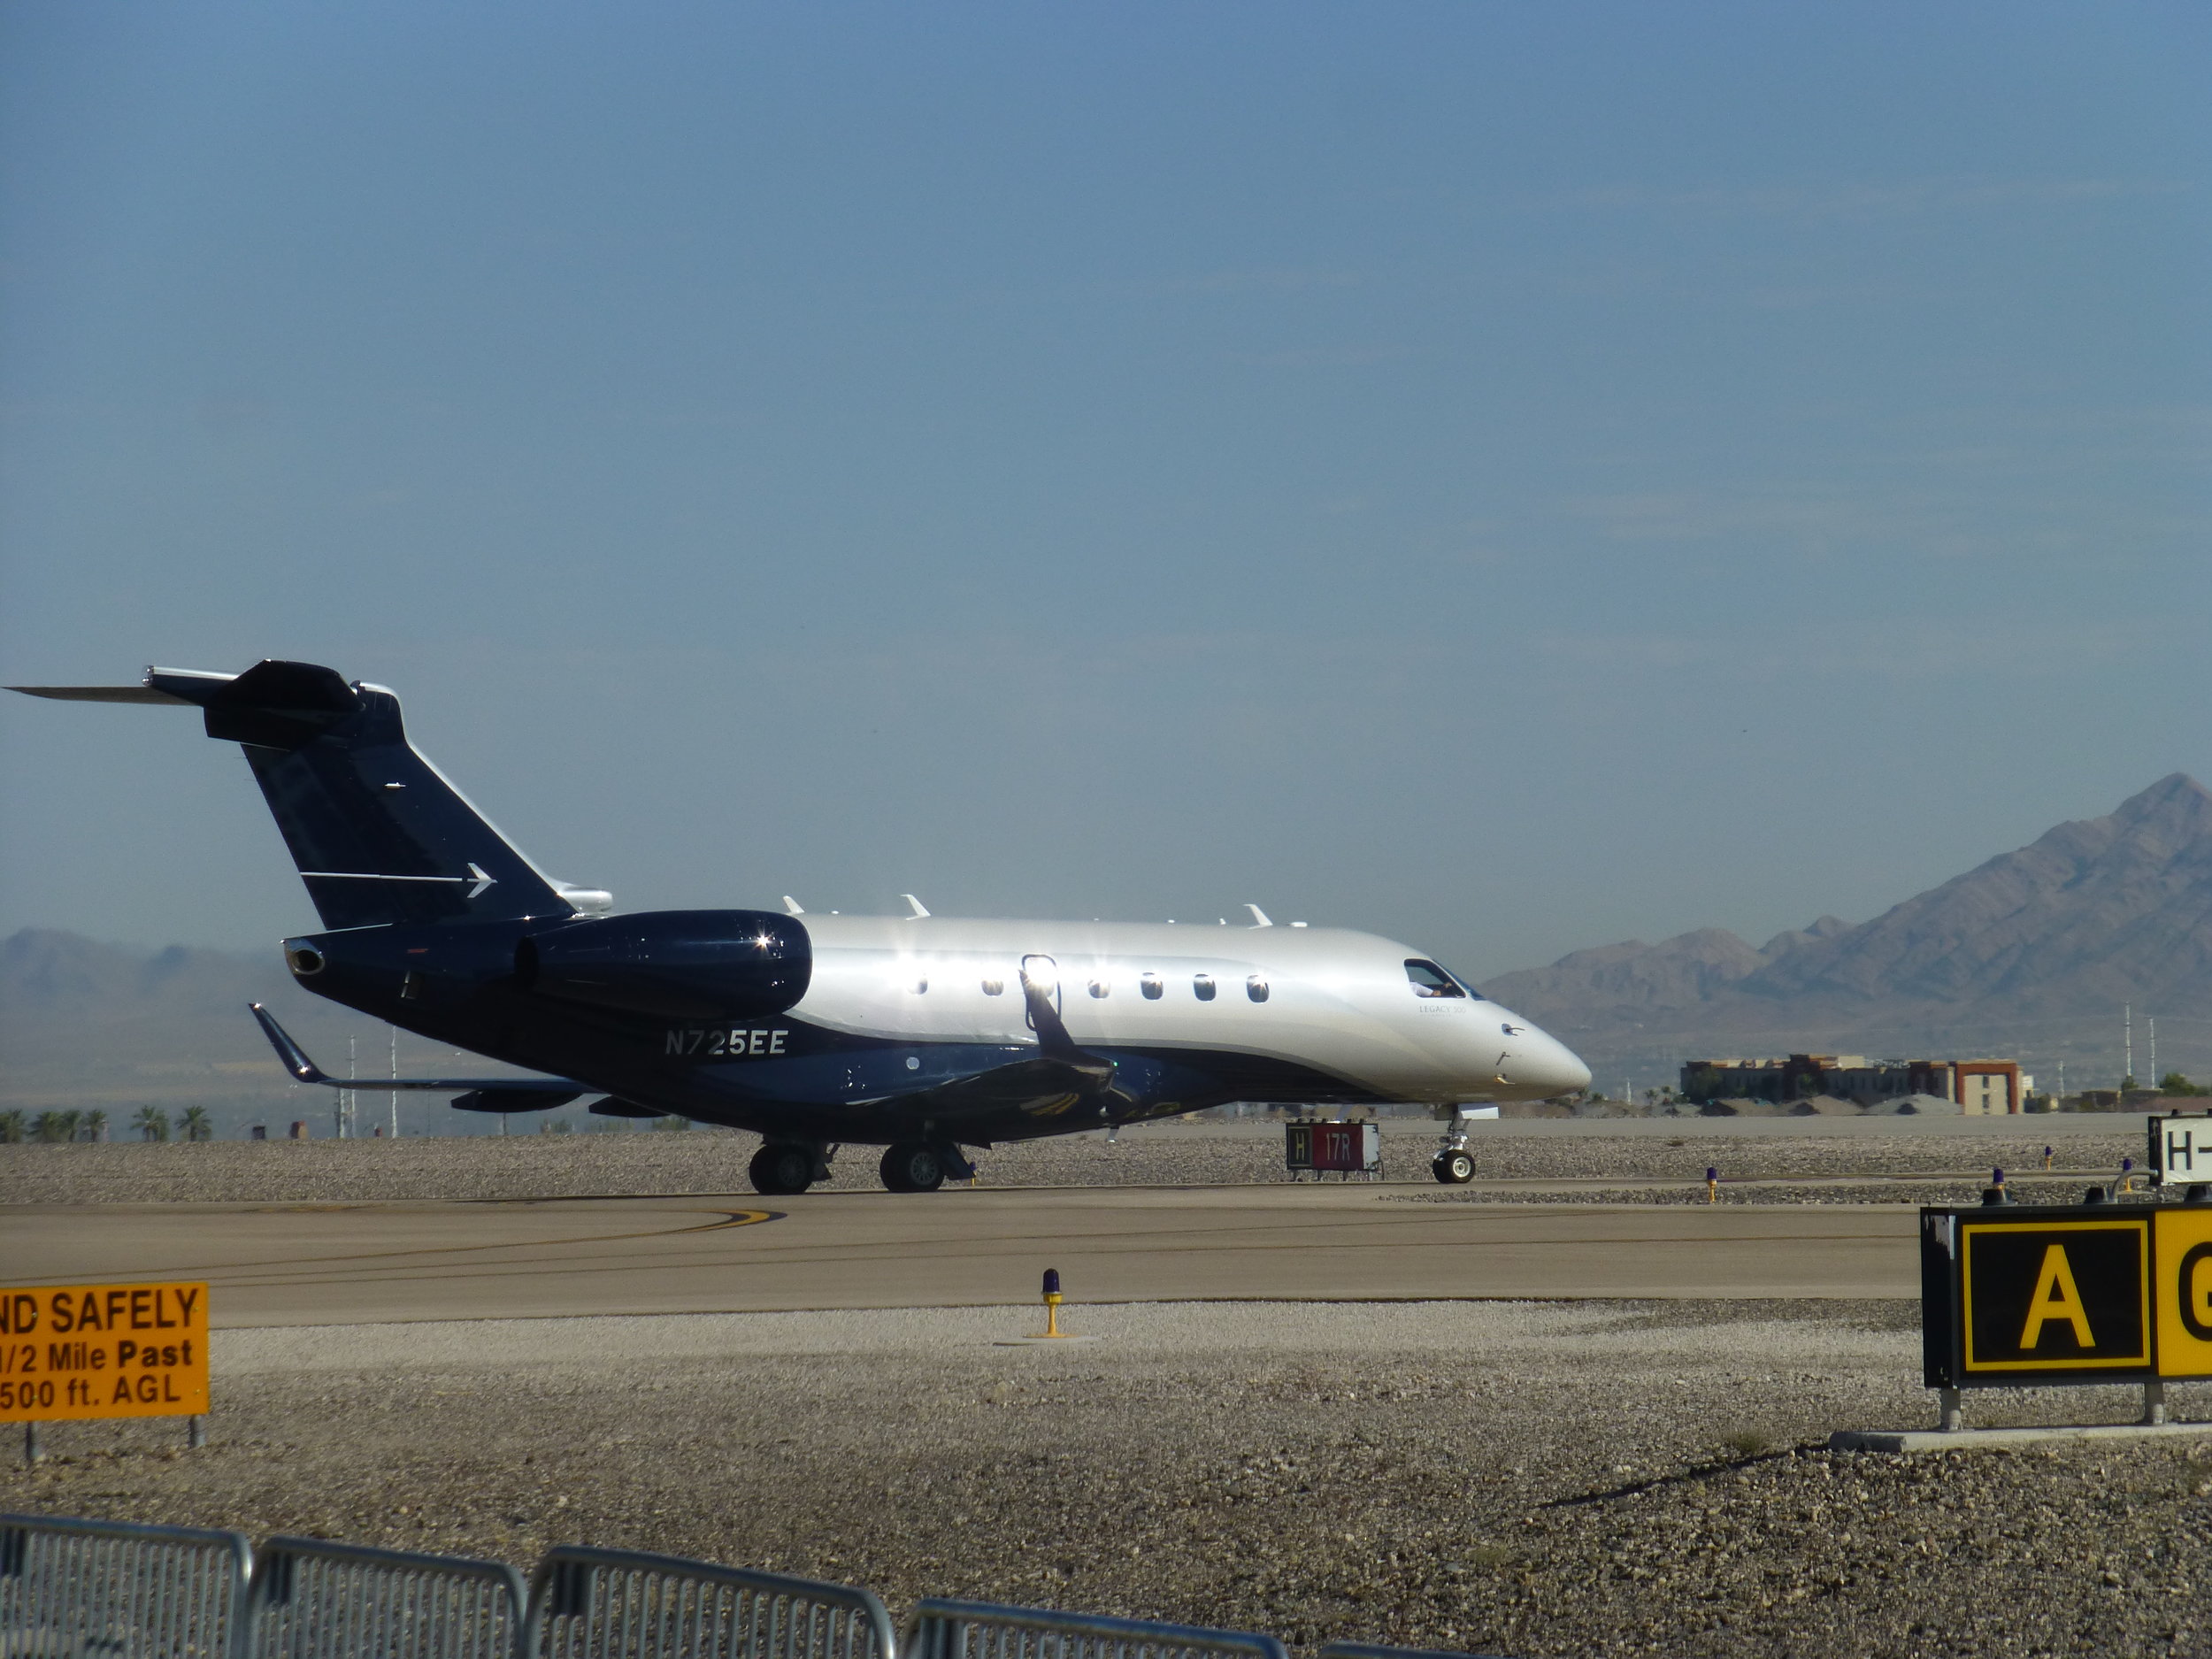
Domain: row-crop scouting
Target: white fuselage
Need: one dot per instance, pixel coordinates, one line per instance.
(1338, 1001)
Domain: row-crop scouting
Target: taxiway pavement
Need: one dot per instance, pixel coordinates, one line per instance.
(340, 1264)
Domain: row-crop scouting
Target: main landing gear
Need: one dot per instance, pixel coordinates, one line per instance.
(783, 1167)
(780, 1167)
(918, 1166)
(911, 1167)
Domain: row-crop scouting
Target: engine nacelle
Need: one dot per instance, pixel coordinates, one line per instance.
(682, 964)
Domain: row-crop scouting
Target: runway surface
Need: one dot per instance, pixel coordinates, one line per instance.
(277, 1265)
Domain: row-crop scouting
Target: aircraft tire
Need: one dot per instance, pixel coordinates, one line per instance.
(911, 1167)
(777, 1170)
(1453, 1169)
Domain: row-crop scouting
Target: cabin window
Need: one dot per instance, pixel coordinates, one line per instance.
(1255, 987)
(1151, 986)
(993, 987)
(1202, 985)
(1430, 980)
(917, 986)
(1101, 988)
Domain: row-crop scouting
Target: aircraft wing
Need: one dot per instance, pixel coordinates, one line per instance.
(1060, 1077)
(1042, 1086)
(306, 1071)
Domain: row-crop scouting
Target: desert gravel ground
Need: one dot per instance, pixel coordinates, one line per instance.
(713, 1161)
(1585, 1478)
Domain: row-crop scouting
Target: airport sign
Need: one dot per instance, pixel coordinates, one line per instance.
(2029, 1295)
(2181, 1146)
(71, 1351)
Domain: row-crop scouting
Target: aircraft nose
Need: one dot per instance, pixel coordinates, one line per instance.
(1575, 1074)
(1553, 1066)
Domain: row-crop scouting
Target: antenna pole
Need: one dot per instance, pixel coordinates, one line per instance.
(395, 1079)
(2127, 1042)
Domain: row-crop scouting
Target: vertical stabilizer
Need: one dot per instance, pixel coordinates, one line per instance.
(378, 834)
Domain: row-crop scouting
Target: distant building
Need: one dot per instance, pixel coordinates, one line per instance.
(1979, 1086)
(1993, 1087)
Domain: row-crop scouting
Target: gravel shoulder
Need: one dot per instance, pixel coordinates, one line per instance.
(1527, 1479)
(713, 1161)
(1583, 1477)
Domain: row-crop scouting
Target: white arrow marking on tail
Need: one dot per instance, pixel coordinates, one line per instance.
(482, 880)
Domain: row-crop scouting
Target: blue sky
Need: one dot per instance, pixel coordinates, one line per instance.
(1514, 478)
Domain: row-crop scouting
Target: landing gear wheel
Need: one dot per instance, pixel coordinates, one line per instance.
(911, 1167)
(780, 1170)
(1454, 1169)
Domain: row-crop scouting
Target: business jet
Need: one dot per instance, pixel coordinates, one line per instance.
(929, 1036)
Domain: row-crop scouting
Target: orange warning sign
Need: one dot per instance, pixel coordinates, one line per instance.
(103, 1351)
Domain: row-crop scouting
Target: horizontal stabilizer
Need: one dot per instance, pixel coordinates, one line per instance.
(306, 1071)
(188, 685)
(99, 694)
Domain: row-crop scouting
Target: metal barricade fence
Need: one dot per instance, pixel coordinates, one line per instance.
(72, 1588)
(588, 1603)
(310, 1599)
(79, 1589)
(942, 1629)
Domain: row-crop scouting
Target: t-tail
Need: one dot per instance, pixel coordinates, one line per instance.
(379, 835)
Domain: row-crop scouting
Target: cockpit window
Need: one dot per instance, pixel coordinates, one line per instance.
(1430, 980)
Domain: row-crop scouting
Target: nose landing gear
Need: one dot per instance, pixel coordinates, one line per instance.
(1453, 1166)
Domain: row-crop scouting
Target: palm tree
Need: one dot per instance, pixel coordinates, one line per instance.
(95, 1125)
(151, 1123)
(196, 1126)
(10, 1127)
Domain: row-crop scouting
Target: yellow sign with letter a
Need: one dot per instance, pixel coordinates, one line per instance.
(103, 1351)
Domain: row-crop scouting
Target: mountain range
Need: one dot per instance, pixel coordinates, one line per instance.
(2034, 953)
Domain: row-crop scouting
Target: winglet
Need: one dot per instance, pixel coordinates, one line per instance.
(1259, 915)
(918, 908)
(792, 907)
(290, 1053)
